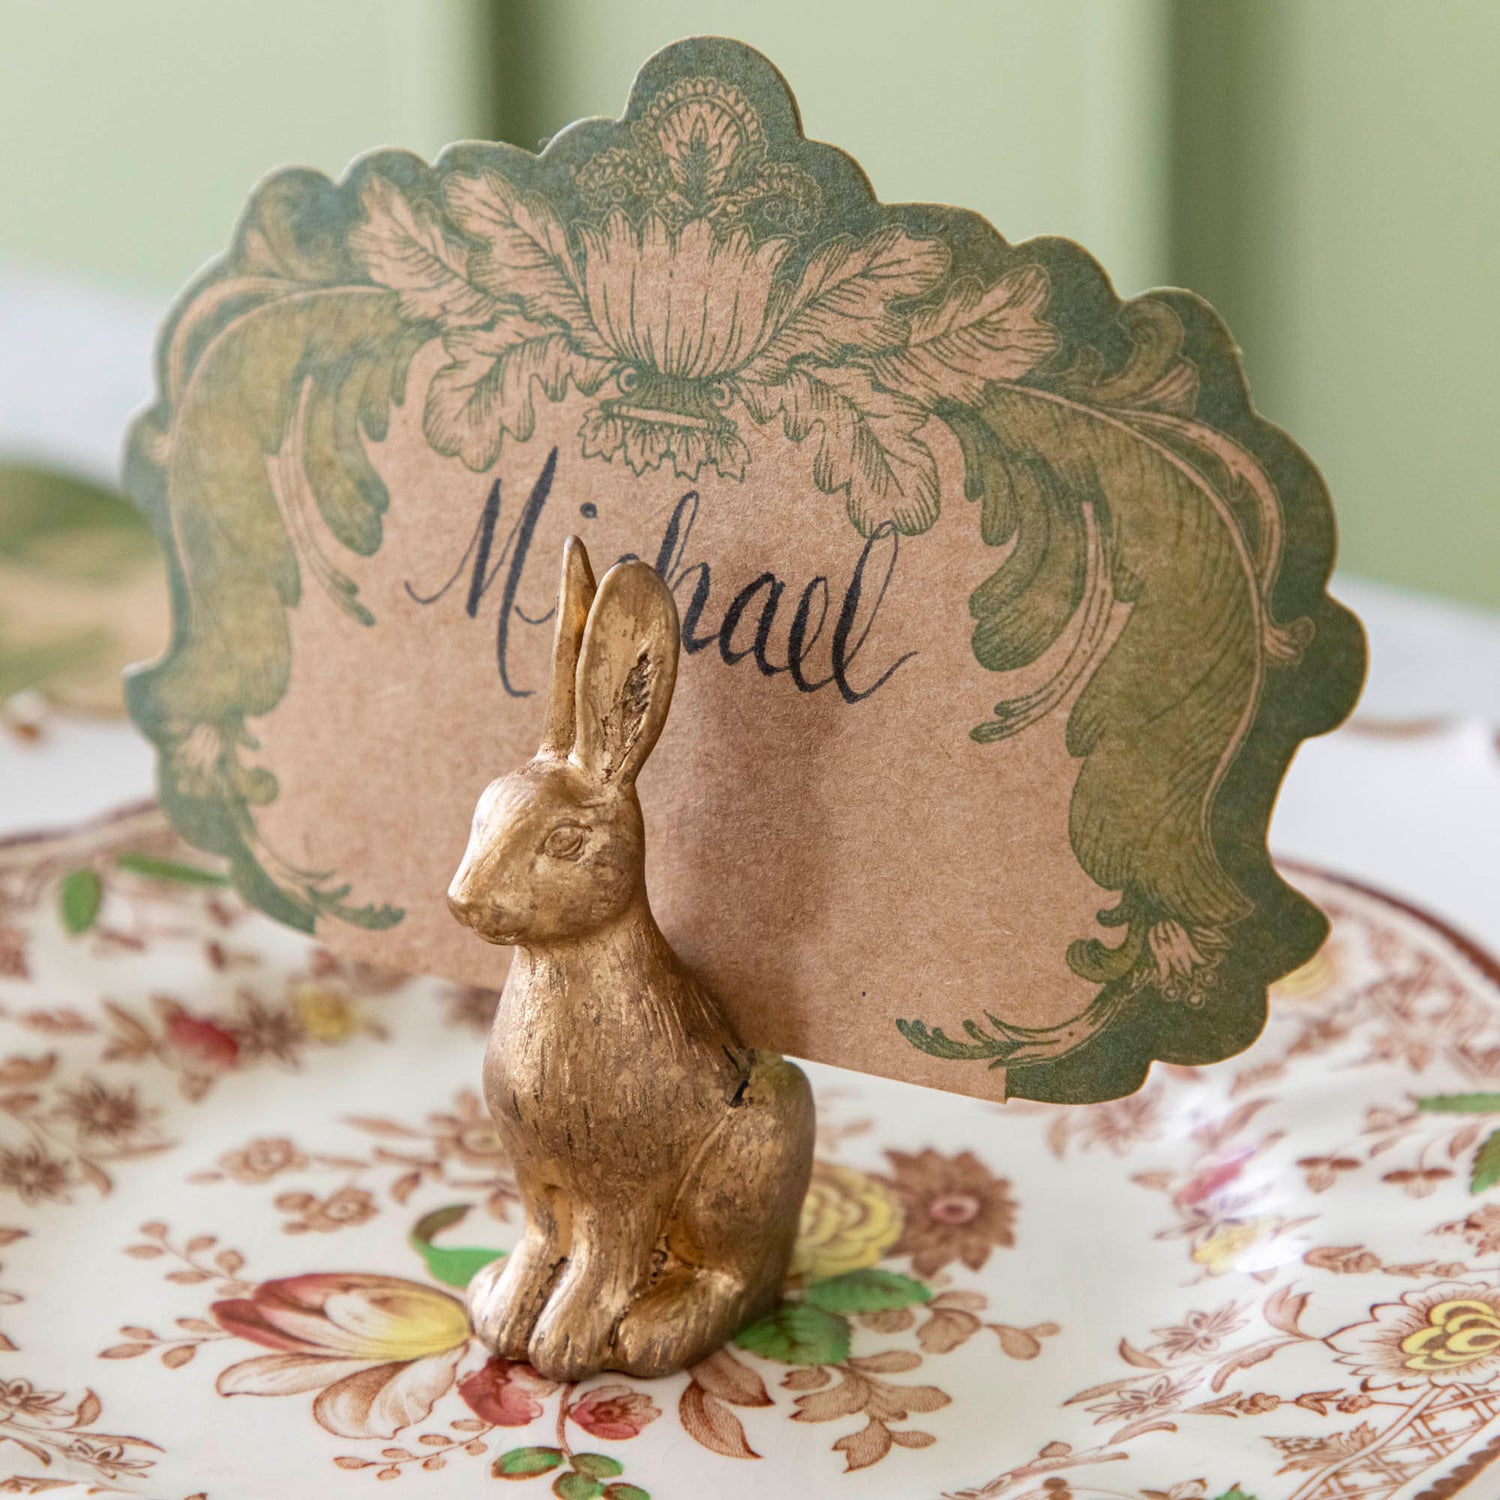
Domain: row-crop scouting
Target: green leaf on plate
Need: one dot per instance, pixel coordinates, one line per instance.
(597, 1465)
(525, 1463)
(576, 1486)
(78, 900)
(798, 1334)
(1460, 1104)
(1486, 1169)
(169, 869)
(866, 1291)
(453, 1265)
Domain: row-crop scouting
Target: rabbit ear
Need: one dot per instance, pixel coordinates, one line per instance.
(625, 672)
(575, 594)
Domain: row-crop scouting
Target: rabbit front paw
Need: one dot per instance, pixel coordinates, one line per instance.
(506, 1297)
(574, 1335)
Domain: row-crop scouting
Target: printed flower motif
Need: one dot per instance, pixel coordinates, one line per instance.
(683, 315)
(358, 976)
(468, 1135)
(1448, 1334)
(1228, 1246)
(379, 1350)
(263, 1030)
(1121, 1124)
(23, 1397)
(849, 1221)
(699, 149)
(109, 1458)
(100, 1113)
(1199, 1332)
(262, 1160)
(34, 1176)
(1141, 1402)
(13, 953)
(614, 1412)
(953, 1208)
(323, 1013)
(1184, 960)
(1481, 1228)
(506, 1393)
(1418, 1182)
(199, 759)
(1322, 1172)
(200, 1040)
(340, 1210)
(690, 326)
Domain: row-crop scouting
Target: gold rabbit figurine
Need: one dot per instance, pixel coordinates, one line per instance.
(662, 1165)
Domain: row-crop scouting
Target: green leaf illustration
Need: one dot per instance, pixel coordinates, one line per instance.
(78, 900)
(625, 1492)
(169, 869)
(798, 1334)
(597, 1465)
(1236, 1493)
(576, 1486)
(526, 1463)
(865, 1291)
(306, 363)
(1460, 1104)
(455, 1265)
(1485, 1172)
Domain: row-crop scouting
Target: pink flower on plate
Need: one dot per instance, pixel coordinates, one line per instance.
(1445, 1334)
(614, 1412)
(506, 1393)
(201, 1040)
(379, 1350)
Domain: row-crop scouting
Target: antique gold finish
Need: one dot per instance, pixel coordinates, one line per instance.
(662, 1165)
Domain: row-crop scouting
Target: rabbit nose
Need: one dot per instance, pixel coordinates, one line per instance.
(463, 903)
(482, 914)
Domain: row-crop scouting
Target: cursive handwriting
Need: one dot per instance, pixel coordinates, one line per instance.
(754, 625)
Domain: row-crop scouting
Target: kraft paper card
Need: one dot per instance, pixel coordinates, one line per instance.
(1002, 611)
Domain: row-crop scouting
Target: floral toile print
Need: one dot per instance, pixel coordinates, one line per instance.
(697, 296)
(1268, 1281)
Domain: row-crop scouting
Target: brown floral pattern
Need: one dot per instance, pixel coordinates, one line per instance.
(953, 1209)
(1255, 1306)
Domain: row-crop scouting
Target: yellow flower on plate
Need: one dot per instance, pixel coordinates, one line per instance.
(1221, 1251)
(849, 1220)
(326, 1015)
(1444, 1334)
(379, 1350)
(1459, 1333)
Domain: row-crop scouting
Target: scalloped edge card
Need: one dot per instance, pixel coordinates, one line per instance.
(1002, 611)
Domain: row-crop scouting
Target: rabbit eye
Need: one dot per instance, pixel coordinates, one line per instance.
(565, 842)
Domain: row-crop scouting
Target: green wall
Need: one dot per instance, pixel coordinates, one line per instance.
(1048, 116)
(134, 129)
(1324, 170)
(1337, 195)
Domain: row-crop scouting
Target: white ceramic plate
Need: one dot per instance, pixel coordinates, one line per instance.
(238, 1182)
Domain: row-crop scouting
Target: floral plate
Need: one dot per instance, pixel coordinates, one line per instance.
(241, 1184)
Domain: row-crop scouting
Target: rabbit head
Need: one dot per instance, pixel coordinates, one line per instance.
(557, 848)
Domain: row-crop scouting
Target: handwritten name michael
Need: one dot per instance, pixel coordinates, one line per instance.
(747, 629)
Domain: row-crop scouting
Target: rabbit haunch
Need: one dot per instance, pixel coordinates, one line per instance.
(662, 1165)
(811, 640)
